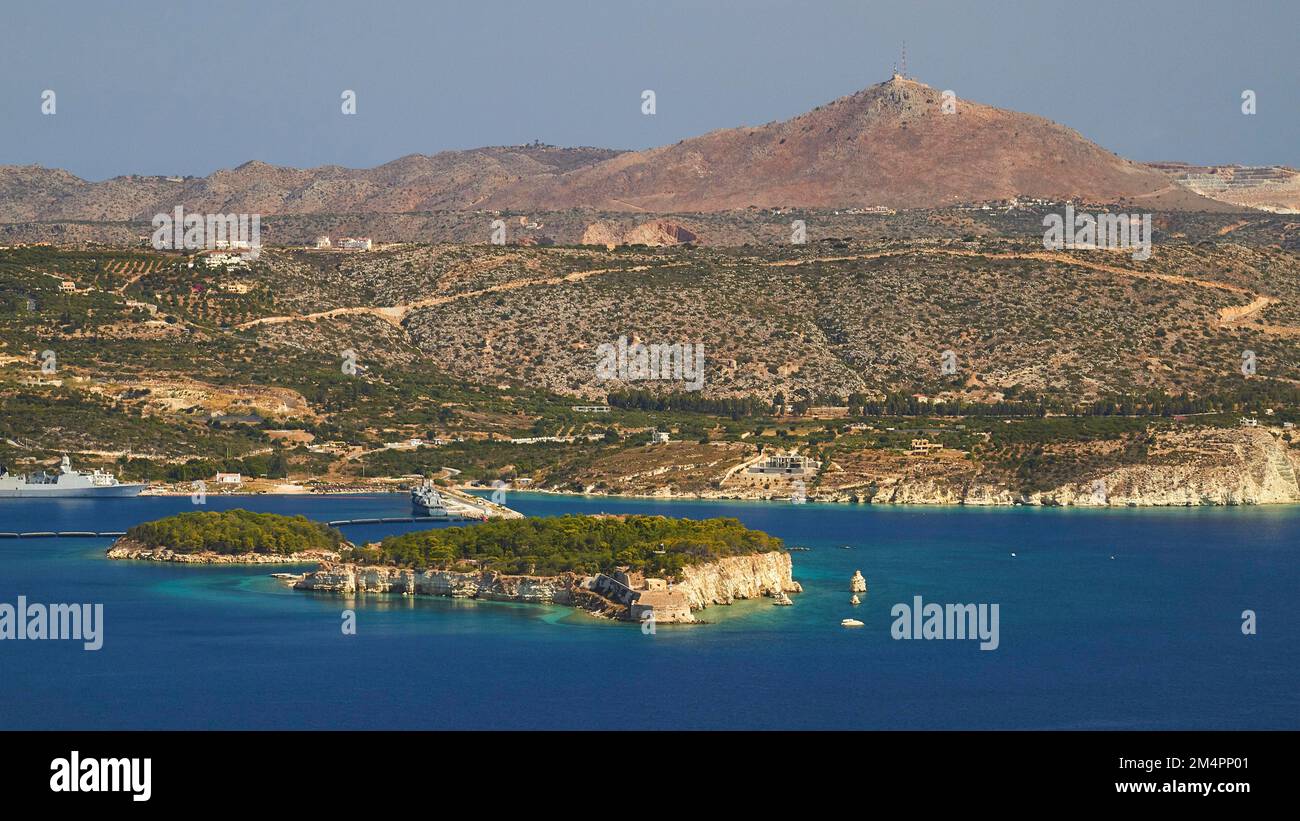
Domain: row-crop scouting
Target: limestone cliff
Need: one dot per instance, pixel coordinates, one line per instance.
(738, 577)
(352, 578)
(1250, 467)
(1182, 467)
(719, 582)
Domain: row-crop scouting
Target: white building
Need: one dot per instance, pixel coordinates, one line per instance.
(355, 243)
(229, 479)
(786, 464)
(225, 260)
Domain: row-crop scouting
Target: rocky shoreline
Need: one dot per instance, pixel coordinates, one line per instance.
(1231, 467)
(622, 596)
(125, 548)
(937, 494)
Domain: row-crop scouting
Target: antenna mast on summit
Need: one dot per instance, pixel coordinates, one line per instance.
(903, 72)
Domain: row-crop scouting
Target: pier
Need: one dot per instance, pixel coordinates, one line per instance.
(450, 517)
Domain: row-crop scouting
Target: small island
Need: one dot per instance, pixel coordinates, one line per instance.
(626, 567)
(230, 537)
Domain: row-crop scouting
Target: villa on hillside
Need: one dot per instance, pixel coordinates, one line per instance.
(786, 464)
(924, 447)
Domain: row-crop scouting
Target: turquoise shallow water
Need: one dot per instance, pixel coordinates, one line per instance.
(1148, 639)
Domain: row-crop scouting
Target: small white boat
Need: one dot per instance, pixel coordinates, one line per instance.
(850, 623)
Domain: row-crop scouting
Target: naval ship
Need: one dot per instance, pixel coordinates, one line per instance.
(66, 483)
(428, 502)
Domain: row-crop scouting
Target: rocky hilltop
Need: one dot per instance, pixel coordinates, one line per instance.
(898, 144)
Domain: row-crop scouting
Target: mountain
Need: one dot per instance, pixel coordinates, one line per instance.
(448, 180)
(892, 144)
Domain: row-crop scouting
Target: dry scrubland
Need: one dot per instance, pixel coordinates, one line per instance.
(482, 343)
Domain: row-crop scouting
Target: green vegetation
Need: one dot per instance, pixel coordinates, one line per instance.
(234, 532)
(580, 544)
(1064, 371)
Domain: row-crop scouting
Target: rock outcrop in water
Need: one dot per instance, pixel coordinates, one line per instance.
(349, 579)
(718, 582)
(125, 548)
(738, 577)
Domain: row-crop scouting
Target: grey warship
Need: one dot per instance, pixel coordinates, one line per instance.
(67, 483)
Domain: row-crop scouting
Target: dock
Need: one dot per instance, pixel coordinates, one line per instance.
(387, 520)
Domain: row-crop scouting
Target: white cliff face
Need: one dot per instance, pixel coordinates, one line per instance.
(1251, 468)
(738, 577)
(1234, 466)
(351, 578)
(719, 582)
(921, 492)
(1188, 466)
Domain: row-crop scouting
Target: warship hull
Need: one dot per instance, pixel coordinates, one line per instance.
(54, 492)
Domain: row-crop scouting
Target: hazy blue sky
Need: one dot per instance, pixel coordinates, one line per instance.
(185, 88)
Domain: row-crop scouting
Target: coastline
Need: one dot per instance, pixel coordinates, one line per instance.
(129, 549)
(1010, 500)
(618, 596)
(1029, 500)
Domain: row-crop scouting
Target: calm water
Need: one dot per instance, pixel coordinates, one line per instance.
(1149, 639)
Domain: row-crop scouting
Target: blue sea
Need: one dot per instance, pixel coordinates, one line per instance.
(1109, 619)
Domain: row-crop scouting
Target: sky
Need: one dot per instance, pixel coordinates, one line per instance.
(191, 87)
